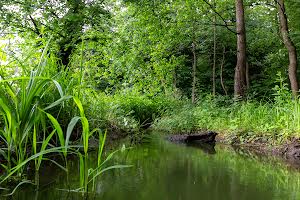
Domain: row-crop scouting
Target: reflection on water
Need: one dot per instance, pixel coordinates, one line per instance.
(177, 172)
(208, 148)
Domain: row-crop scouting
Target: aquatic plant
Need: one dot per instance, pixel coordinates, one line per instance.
(21, 114)
(36, 121)
(87, 173)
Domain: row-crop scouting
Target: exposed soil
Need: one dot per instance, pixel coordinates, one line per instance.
(289, 151)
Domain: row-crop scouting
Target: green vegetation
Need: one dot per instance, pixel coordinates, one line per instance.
(123, 66)
(31, 132)
(249, 121)
(274, 121)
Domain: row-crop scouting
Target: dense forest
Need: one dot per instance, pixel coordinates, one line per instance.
(189, 48)
(72, 70)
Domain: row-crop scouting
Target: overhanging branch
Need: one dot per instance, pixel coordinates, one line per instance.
(223, 19)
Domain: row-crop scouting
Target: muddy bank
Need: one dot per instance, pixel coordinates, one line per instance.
(288, 151)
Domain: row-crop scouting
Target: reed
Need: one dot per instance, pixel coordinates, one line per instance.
(88, 174)
(35, 122)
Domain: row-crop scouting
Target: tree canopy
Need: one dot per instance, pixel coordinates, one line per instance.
(171, 47)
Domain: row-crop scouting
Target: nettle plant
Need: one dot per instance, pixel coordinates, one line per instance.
(281, 91)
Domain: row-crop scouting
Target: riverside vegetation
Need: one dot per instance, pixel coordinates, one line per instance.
(76, 71)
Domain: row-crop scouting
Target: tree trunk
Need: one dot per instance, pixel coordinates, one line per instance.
(290, 47)
(71, 32)
(194, 72)
(247, 76)
(221, 71)
(240, 69)
(215, 47)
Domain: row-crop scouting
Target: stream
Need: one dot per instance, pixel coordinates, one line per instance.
(165, 171)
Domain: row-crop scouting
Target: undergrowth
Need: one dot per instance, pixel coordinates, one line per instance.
(271, 121)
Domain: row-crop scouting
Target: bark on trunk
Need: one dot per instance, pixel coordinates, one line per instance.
(290, 47)
(221, 71)
(194, 72)
(240, 69)
(215, 47)
(247, 76)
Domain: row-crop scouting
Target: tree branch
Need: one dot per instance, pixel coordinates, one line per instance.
(224, 20)
(37, 31)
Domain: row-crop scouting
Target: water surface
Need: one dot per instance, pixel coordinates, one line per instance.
(166, 171)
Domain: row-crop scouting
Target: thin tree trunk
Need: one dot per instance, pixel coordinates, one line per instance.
(194, 72)
(194, 62)
(215, 46)
(240, 69)
(221, 72)
(290, 47)
(247, 76)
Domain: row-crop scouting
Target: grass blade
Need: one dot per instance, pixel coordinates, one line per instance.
(70, 128)
(58, 129)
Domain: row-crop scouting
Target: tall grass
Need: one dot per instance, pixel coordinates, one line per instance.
(248, 121)
(26, 133)
(20, 109)
(88, 173)
(31, 126)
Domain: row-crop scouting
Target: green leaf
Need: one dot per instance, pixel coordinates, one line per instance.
(57, 102)
(79, 105)
(109, 168)
(101, 146)
(70, 128)
(44, 145)
(85, 134)
(58, 129)
(81, 170)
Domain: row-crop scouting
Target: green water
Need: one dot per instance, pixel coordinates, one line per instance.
(166, 171)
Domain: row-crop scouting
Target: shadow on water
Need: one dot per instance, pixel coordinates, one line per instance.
(208, 148)
(163, 170)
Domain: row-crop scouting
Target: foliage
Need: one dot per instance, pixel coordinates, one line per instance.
(248, 121)
(126, 66)
(63, 21)
(130, 112)
(31, 130)
(21, 104)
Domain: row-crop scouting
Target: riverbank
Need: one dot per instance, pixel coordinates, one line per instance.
(289, 151)
(268, 127)
(273, 122)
